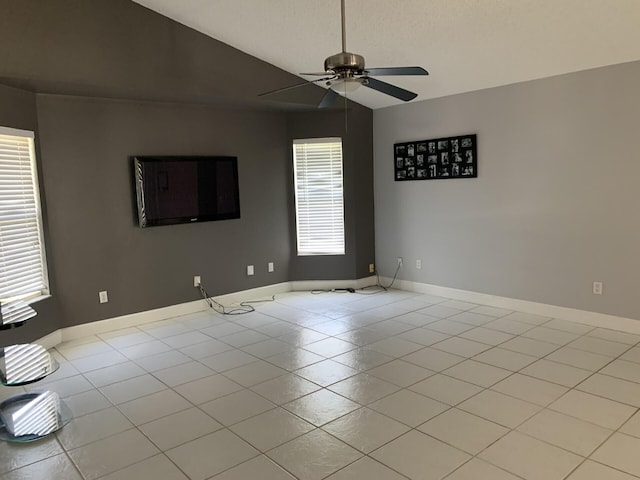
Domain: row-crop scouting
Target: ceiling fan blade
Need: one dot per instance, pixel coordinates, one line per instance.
(397, 71)
(389, 89)
(329, 100)
(290, 87)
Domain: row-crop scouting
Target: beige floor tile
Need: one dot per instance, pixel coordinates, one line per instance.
(400, 373)
(623, 369)
(566, 432)
(527, 318)
(58, 467)
(486, 336)
(314, 455)
(362, 359)
(321, 407)
(408, 407)
(568, 326)
(420, 457)
(330, 347)
(182, 427)
(551, 335)
(463, 430)
(594, 409)
(446, 389)
(155, 467)
(499, 408)
(507, 359)
(439, 311)
(598, 345)
(620, 452)
(579, 358)
(272, 428)
(476, 469)
(366, 468)
(294, 359)
(224, 361)
(433, 359)
(365, 429)
(530, 458)
(449, 327)
(260, 467)
(131, 389)
(207, 389)
(462, 346)
(364, 388)
(509, 326)
(595, 471)
(615, 336)
(613, 388)
(237, 406)
(114, 374)
(87, 402)
(477, 373)
(326, 372)
(113, 453)
(632, 426)
(529, 346)
(395, 347)
(205, 349)
(212, 454)
(154, 406)
(471, 318)
(17, 455)
(184, 373)
(491, 311)
(254, 373)
(424, 336)
(95, 426)
(285, 389)
(530, 389)
(556, 373)
(162, 360)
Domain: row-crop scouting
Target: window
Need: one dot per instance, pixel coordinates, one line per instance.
(23, 272)
(317, 164)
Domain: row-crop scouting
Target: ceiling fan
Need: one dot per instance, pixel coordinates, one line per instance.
(344, 72)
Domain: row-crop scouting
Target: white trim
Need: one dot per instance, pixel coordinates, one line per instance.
(308, 285)
(51, 340)
(253, 294)
(132, 320)
(16, 132)
(593, 319)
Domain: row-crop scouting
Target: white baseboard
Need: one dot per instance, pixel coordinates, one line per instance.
(51, 340)
(308, 285)
(132, 320)
(593, 319)
(253, 294)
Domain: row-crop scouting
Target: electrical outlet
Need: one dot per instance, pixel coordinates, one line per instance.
(597, 288)
(249, 270)
(104, 298)
(196, 280)
(372, 268)
(399, 261)
(418, 264)
(270, 267)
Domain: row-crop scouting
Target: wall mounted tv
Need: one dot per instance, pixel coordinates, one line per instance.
(186, 189)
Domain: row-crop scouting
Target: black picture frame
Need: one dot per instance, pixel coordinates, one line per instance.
(436, 159)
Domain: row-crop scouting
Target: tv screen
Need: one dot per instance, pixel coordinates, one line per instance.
(172, 190)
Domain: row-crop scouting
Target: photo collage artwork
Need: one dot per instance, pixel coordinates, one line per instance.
(437, 159)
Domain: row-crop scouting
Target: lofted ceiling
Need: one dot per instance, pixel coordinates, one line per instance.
(466, 45)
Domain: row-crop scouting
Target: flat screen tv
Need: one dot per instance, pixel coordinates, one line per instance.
(186, 189)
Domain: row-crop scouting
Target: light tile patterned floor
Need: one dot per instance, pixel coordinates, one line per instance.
(335, 386)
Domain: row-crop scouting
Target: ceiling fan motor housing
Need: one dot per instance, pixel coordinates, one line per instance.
(350, 63)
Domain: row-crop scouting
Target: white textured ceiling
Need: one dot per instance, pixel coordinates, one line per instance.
(466, 45)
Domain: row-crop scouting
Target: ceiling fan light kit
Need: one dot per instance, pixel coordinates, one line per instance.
(345, 72)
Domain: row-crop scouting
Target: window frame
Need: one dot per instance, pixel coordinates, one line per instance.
(304, 243)
(6, 295)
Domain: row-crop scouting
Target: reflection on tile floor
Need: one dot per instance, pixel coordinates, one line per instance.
(344, 386)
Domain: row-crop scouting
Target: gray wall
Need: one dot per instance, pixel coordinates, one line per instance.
(18, 110)
(357, 145)
(104, 80)
(555, 205)
(94, 240)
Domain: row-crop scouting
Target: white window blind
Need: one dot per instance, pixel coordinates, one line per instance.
(23, 272)
(319, 196)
